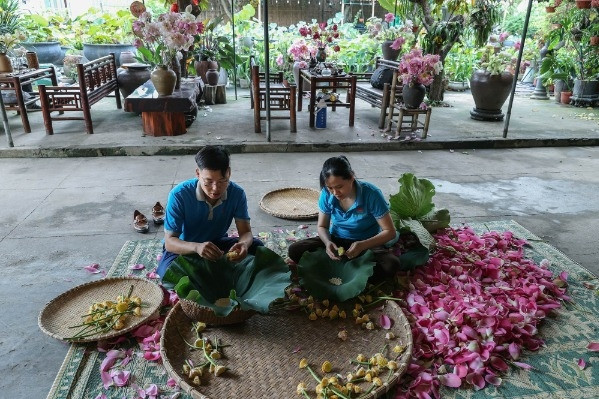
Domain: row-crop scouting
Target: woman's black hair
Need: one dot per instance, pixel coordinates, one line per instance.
(336, 166)
(213, 157)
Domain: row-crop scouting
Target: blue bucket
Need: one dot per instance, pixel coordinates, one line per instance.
(321, 118)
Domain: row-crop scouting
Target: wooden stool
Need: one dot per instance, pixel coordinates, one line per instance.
(408, 119)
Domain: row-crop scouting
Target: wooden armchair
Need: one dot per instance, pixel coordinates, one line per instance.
(281, 98)
(97, 79)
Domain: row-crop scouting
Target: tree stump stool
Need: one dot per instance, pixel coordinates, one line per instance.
(210, 94)
(221, 95)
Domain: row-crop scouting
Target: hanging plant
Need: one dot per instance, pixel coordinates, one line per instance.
(484, 16)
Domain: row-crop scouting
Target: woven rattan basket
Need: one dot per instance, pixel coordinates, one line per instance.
(296, 203)
(67, 309)
(265, 351)
(196, 312)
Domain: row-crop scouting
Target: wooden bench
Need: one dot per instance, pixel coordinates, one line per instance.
(377, 97)
(97, 79)
(281, 98)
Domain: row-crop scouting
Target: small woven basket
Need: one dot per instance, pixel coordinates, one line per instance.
(196, 312)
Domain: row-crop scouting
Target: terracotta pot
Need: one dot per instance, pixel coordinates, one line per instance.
(415, 29)
(164, 80)
(489, 93)
(5, 64)
(583, 3)
(388, 52)
(202, 67)
(594, 40)
(413, 94)
(565, 97)
(550, 9)
(556, 3)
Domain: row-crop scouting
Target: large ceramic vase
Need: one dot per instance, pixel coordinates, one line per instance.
(202, 67)
(131, 76)
(389, 53)
(95, 51)
(489, 93)
(413, 95)
(212, 76)
(47, 52)
(164, 80)
(321, 54)
(5, 64)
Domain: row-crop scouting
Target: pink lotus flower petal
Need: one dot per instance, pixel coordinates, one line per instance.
(493, 380)
(152, 275)
(297, 349)
(171, 383)
(450, 380)
(582, 364)
(138, 266)
(120, 377)
(385, 322)
(94, 268)
(593, 346)
(159, 257)
(101, 396)
(302, 226)
(152, 390)
(514, 351)
(523, 365)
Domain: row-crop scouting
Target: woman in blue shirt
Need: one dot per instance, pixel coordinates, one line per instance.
(353, 215)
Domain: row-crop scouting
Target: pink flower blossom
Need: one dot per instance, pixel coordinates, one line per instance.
(138, 266)
(152, 275)
(94, 268)
(280, 61)
(416, 68)
(389, 17)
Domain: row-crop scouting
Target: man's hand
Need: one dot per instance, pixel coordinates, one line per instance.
(209, 251)
(237, 252)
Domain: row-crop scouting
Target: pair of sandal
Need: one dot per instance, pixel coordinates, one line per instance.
(140, 222)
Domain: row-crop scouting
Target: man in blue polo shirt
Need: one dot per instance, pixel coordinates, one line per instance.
(199, 212)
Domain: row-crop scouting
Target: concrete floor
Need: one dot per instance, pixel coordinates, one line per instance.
(60, 214)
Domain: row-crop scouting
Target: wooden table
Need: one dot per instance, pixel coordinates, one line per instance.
(332, 84)
(163, 115)
(15, 81)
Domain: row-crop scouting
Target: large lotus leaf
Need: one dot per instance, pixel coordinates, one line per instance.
(213, 279)
(413, 258)
(436, 219)
(316, 269)
(414, 198)
(264, 280)
(257, 280)
(425, 238)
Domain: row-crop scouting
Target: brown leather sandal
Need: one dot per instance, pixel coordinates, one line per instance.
(140, 222)
(158, 213)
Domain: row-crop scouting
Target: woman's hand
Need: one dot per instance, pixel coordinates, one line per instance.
(209, 251)
(355, 249)
(332, 250)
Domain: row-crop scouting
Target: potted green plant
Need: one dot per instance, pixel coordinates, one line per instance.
(105, 33)
(458, 68)
(490, 85)
(42, 37)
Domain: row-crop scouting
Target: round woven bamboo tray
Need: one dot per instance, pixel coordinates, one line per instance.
(196, 312)
(67, 309)
(291, 203)
(265, 352)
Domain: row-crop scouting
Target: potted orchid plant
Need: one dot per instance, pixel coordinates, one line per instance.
(160, 42)
(417, 71)
(393, 37)
(301, 52)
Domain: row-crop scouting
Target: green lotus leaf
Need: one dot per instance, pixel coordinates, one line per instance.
(413, 258)
(316, 270)
(253, 283)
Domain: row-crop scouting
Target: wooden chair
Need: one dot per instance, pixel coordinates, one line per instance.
(281, 98)
(273, 77)
(97, 79)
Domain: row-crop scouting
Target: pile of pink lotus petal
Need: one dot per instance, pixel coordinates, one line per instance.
(473, 308)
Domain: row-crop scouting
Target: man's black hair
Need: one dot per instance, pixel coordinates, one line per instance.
(336, 166)
(213, 157)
